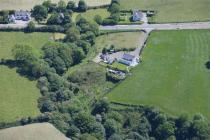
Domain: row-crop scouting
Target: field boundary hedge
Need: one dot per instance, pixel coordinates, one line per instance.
(106, 32)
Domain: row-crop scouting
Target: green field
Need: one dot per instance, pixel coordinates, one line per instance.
(28, 4)
(173, 75)
(18, 95)
(90, 14)
(119, 40)
(172, 10)
(35, 131)
(10, 39)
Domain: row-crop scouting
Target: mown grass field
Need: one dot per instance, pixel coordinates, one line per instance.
(28, 4)
(173, 75)
(18, 95)
(172, 10)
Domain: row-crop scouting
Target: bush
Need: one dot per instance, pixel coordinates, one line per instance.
(82, 6)
(71, 6)
(114, 8)
(113, 77)
(84, 122)
(98, 19)
(46, 105)
(30, 27)
(73, 131)
(51, 28)
(39, 12)
(109, 21)
(115, 137)
(87, 137)
(111, 127)
(135, 136)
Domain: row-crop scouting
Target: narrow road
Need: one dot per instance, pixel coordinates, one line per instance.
(168, 26)
(16, 26)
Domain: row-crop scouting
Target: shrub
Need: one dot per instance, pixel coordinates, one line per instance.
(98, 19)
(30, 27)
(109, 21)
(111, 127)
(82, 6)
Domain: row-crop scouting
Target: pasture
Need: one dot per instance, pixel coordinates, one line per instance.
(173, 75)
(18, 95)
(38, 131)
(90, 14)
(10, 39)
(28, 4)
(119, 40)
(172, 10)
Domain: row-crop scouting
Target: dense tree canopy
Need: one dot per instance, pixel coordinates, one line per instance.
(39, 12)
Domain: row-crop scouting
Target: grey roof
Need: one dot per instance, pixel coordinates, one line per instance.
(137, 14)
(128, 57)
(22, 13)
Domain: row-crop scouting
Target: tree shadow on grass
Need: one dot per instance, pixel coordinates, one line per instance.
(16, 64)
(208, 65)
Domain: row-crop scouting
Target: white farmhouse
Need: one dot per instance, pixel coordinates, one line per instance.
(129, 60)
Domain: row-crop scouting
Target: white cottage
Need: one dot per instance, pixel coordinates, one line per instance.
(129, 60)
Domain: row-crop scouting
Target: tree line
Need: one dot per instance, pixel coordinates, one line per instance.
(60, 13)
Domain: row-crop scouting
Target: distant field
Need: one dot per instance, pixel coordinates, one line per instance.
(28, 4)
(90, 14)
(18, 95)
(172, 10)
(38, 131)
(119, 40)
(173, 75)
(9, 39)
